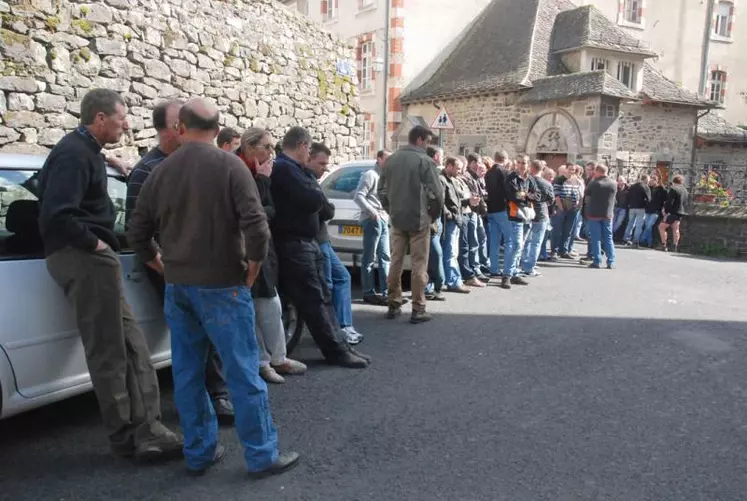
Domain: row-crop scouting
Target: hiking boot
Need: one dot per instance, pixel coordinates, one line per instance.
(285, 462)
(506, 283)
(518, 281)
(460, 289)
(219, 452)
(162, 445)
(474, 282)
(224, 411)
(419, 317)
(393, 312)
(270, 375)
(290, 367)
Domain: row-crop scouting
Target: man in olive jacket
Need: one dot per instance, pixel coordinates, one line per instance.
(409, 180)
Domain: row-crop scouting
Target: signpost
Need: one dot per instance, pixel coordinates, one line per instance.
(442, 122)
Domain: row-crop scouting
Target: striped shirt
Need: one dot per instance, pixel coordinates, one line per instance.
(138, 176)
(568, 190)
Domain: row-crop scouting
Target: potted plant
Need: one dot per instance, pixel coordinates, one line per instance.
(711, 191)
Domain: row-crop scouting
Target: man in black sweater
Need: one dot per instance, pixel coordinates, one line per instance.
(76, 221)
(498, 226)
(638, 197)
(654, 209)
(599, 207)
(298, 201)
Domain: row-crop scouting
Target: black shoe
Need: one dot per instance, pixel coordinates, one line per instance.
(357, 353)
(518, 281)
(594, 266)
(219, 452)
(483, 278)
(393, 312)
(419, 317)
(375, 300)
(163, 445)
(348, 359)
(285, 462)
(224, 411)
(506, 283)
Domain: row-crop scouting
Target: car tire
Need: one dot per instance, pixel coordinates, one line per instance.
(292, 324)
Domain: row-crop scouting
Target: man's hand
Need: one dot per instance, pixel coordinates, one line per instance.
(123, 167)
(474, 201)
(101, 246)
(157, 264)
(252, 272)
(374, 216)
(265, 169)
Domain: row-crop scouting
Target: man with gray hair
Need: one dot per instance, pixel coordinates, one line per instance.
(76, 222)
(208, 298)
(298, 200)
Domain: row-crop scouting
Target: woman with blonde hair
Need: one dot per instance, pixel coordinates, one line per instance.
(256, 152)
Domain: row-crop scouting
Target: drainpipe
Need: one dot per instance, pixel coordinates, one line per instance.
(706, 48)
(693, 158)
(385, 104)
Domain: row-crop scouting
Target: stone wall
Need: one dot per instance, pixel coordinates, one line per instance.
(729, 154)
(715, 231)
(656, 132)
(262, 64)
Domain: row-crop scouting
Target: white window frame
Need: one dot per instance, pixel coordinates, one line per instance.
(621, 67)
(367, 4)
(366, 140)
(632, 11)
(717, 86)
(332, 9)
(600, 63)
(367, 77)
(721, 20)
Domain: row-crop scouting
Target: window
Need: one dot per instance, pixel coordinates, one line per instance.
(19, 233)
(632, 11)
(329, 9)
(718, 86)
(609, 111)
(366, 4)
(366, 139)
(342, 183)
(722, 21)
(303, 7)
(626, 74)
(599, 63)
(367, 65)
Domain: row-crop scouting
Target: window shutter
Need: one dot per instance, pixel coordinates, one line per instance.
(731, 19)
(324, 7)
(359, 59)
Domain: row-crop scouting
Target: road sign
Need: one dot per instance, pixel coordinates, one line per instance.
(442, 121)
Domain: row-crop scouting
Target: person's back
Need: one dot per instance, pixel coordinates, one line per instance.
(202, 232)
(677, 200)
(601, 198)
(298, 199)
(639, 195)
(495, 185)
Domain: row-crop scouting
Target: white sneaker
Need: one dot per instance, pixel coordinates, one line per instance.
(352, 336)
(533, 273)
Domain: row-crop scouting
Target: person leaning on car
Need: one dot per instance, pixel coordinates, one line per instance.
(76, 222)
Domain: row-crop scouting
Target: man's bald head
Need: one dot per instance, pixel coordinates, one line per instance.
(198, 114)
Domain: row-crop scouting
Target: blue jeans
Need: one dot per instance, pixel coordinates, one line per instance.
(619, 218)
(451, 255)
(482, 242)
(198, 316)
(578, 220)
(436, 273)
(600, 235)
(534, 244)
(648, 228)
(499, 229)
(562, 230)
(514, 244)
(636, 217)
(338, 281)
(375, 252)
(468, 247)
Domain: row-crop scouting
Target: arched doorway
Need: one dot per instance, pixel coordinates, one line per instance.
(554, 138)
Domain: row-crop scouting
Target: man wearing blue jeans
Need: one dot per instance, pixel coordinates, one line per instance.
(599, 210)
(542, 197)
(208, 297)
(520, 192)
(335, 273)
(654, 210)
(498, 227)
(436, 273)
(638, 197)
(452, 215)
(375, 223)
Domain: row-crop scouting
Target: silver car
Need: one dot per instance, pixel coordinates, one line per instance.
(41, 356)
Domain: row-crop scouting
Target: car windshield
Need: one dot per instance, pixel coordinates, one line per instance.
(343, 182)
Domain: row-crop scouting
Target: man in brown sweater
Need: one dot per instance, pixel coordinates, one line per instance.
(204, 204)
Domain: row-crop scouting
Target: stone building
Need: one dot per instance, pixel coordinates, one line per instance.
(263, 65)
(560, 82)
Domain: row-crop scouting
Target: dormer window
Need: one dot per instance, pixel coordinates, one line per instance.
(599, 64)
(626, 73)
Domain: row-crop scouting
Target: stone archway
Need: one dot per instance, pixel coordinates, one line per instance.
(554, 134)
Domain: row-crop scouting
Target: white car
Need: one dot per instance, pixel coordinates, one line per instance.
(41, 356)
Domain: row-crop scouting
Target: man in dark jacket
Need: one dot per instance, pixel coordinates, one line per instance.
(452, 214)
(498, 227)
(165, 116)
(638, 197)
(298, 200)
(436, 273)
(599, 209)
(654, 209)
(76, 222)
(621, 204)
(542, 196)
(674, 210)
(471, 266)
(520, 194)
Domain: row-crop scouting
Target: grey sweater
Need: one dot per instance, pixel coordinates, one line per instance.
(366, 196)
(600, 198)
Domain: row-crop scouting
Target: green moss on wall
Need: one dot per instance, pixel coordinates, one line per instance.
(52, 23)
(83, 25)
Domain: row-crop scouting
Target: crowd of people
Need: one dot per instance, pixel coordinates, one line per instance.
(222, 229)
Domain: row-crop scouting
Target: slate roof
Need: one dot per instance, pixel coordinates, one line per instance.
(517, 44)
(588, 27)
(576, 85)
(714, 127)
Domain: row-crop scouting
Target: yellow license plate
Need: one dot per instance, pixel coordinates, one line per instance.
(350, 231)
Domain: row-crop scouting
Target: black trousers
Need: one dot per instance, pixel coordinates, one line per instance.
(214, 380)
(302, 281)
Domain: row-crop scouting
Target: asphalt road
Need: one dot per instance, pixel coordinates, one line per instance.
(621, 385)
